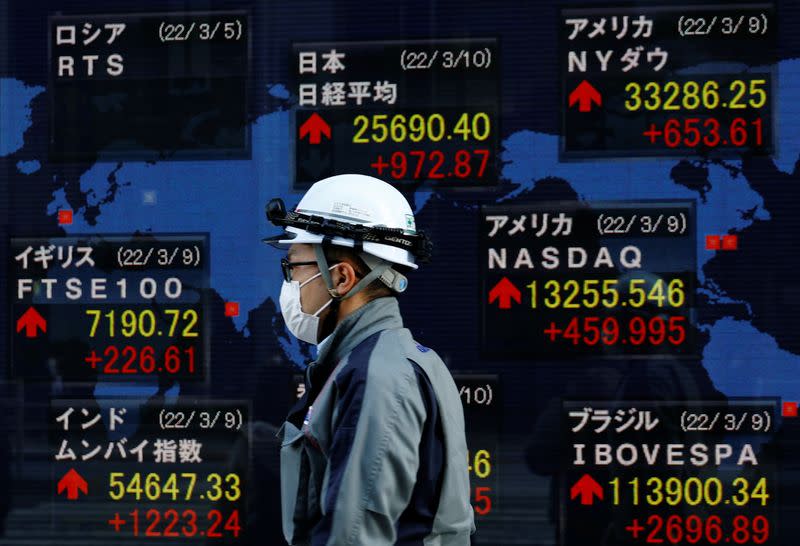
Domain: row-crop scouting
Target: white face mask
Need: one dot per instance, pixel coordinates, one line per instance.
(302, 325)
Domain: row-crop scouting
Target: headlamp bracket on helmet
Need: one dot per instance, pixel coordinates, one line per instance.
(418, 244)
(394, 280)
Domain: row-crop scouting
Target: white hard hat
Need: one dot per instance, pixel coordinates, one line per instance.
(362, 202)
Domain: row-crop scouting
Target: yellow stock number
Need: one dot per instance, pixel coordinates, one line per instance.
(419, 127)
(691, 95)
(590, 293)
(744, 494)
(690, 491)
(130, 323)
(152, 487)
(480, 464)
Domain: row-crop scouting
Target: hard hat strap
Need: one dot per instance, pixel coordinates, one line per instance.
(322, 262)
(376, 272)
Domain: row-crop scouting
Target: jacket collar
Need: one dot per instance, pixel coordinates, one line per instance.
(374, 316)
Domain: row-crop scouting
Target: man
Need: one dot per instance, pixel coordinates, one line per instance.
(374, 452)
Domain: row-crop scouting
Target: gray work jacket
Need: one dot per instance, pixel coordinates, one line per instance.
(375, 453)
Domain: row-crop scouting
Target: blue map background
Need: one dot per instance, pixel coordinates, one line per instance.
(227, 200)
(747, 300)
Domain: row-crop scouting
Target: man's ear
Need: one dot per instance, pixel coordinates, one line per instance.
(344, 278)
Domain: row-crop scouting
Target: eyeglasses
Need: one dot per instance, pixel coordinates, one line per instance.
(286, 267)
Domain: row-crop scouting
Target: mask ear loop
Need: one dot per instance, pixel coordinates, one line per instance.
(322, 263)
(376, 272)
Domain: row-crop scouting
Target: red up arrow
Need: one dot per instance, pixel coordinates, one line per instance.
(31, 320)
(72, 482)
(314, 127)
(585, 95)
(505, 291)
(587, 488)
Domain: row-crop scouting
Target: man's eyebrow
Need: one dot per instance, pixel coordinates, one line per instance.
(289, 253)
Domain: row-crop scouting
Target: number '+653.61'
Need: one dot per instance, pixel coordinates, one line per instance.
(708, 132)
